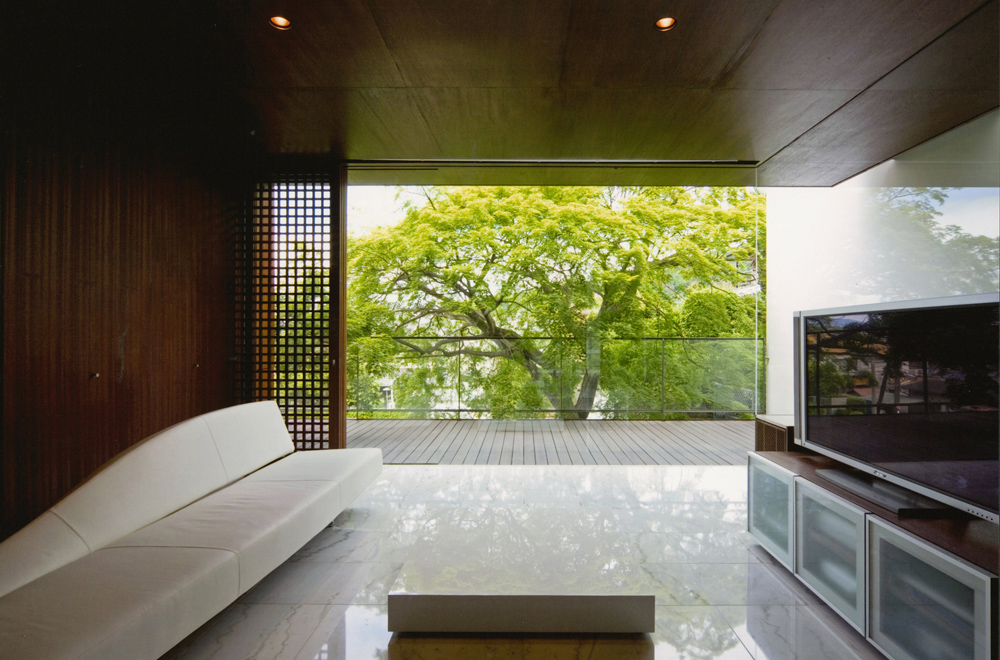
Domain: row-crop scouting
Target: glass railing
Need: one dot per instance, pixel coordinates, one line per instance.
(546, 377)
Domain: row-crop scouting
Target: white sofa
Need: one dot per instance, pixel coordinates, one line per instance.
(167, 534)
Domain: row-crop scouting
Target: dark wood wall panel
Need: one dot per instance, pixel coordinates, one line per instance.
(124, 152)
(119, 318)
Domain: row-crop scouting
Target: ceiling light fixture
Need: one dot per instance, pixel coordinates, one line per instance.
(665, 24)
(281, 23)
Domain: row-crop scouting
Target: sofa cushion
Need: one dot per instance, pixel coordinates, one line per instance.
(249, 436)
(117, 603)
(44, 545)
(353, 468)
(152, 479)
(264, 523)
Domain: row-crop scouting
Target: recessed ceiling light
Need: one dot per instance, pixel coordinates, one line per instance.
(665, 24)
(283, 23)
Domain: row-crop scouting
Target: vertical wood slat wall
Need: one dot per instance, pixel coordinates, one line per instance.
(118, 311)
(293, 271)
(125, 149)
(770, 436)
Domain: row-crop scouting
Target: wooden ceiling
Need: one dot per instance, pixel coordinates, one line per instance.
(774, 92)
(811, 91)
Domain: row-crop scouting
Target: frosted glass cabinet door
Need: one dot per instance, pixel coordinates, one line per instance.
(926, 604)
(771, 507)
(830, 550)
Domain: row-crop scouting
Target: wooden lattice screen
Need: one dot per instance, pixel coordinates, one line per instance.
(287, 316)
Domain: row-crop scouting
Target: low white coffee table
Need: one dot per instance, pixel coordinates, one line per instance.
(522, 570)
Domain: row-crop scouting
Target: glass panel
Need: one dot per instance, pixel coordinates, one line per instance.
(571, 355)
(830, 551)
(926, 605)
(403, 377)
(770, 509)
(500, 380)
(370, 374)
(632, 381)
(927, 613)
(425, 386)
(722, 372)
(542, 377)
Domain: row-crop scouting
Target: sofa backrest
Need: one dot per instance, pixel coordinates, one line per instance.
(150, 480)
(249, 437)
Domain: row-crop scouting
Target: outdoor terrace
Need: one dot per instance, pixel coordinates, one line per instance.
(554, 441)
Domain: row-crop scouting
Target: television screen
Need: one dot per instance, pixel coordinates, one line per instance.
(910, 392)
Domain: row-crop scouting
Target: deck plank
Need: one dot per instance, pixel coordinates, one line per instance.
(517, 458)
(580, 436)
(672, 455)
(460, 440)
(640, 437)
(672, 436)
(405, 452)
(439, 444)
(720, 447)
(483, 455)
(373, 436)
(529, 442)
(685, 443)
(549, 445)
(555, 442)
(620, 445)
(541, 457)
(469, 445)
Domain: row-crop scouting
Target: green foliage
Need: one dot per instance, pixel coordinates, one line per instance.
(303, 305)
(832, 381)
(490, 273)
(856, 405)
(718, 313)
(502, 387)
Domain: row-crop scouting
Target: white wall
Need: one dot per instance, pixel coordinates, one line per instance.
(869, 240)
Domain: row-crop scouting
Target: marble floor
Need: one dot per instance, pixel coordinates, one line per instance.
(718, 594)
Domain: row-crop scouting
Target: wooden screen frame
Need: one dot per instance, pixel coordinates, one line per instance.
(263, 305)
(338, 308)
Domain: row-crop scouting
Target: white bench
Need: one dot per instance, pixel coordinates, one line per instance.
(167, 534)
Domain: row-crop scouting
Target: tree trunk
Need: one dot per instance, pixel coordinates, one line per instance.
(591, 373)
(588, 391)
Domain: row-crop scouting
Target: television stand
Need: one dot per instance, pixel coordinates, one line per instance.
(908, 584)
(901, 501)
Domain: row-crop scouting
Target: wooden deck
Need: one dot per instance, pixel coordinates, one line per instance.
(554, 442)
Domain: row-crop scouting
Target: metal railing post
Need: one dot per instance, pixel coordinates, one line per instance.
(663, 378)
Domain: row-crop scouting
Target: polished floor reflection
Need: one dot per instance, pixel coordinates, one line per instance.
(718, 594)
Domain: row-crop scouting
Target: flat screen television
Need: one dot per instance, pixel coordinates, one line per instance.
(906, 392)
